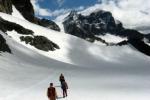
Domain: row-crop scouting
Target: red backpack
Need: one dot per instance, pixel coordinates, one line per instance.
(51, 92)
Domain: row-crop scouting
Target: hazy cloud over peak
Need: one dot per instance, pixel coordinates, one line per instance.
(60, 2)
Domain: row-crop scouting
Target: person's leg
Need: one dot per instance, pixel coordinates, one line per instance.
(63, 93)
(66, 93)
(65, 90)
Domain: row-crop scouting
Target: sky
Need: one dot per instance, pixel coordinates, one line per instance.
(132, 13)
(52, 8)
(57, 4)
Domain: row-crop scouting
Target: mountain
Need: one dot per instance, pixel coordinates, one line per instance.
(26, 9)
(98, 23)
(32, 56)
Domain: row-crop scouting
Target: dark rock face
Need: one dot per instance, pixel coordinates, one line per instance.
(96, 23)
(100, 23)
(141, 46)
(40, 42)
(49, 24)
(25, 8)
(27, 39)
(3, 46)
(9, 26)
(131, 34)
(6, 6)
(147, 36)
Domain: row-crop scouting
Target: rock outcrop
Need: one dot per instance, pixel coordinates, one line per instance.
(40, 42)
(3, 45)
(131, 34)
(141, 46)
(147, 36)
(9, 26)
(48, 24)
(6, 6)
(26, 9)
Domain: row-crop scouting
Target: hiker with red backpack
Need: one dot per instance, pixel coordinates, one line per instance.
(51, 92)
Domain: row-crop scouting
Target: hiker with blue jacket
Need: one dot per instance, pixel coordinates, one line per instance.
(64, 85)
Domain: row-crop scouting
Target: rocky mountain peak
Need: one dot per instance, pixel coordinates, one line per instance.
(96, 23)
(100, 22)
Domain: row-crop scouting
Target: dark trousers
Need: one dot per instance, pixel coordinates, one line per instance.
(64, 92)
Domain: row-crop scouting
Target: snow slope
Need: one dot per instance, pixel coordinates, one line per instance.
(92, 71)
(73, 48)
(16, 13)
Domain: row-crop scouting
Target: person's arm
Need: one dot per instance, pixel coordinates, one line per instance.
(60, 78)
(56, 94)
(66, 85)
(47, 93)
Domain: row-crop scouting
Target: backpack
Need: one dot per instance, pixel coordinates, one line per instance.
(50, 92)
(64, 85)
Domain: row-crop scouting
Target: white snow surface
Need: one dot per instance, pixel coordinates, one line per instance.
(16, 13)
(112, 38)
(92, 71)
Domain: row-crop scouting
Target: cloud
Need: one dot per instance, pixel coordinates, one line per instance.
(60, 2)
(59, 12)
(133, 13)
(39, 11)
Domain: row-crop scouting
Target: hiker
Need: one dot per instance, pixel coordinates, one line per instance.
(61, 78)
(51, 92)
(64, 87)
